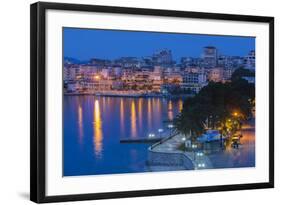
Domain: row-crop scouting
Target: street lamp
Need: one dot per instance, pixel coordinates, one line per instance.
(151, 135)
(201, 165)
(170, 126)
(160, 131)
(194, 146)
(200, 154)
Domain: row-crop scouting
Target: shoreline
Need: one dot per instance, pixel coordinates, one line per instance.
(130, 95)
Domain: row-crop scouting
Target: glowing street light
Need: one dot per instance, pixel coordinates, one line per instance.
(160, 131)
(96, 77)
(200, 154)
(201, 165)
(151, 135)
(170, 126)
(194, 146)
(236, 114)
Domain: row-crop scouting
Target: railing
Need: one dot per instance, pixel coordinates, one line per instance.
(162, 158)
(163, 140)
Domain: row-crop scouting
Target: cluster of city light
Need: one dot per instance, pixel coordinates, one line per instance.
(159, 73)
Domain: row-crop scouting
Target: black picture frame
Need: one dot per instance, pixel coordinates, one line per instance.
(38, 101)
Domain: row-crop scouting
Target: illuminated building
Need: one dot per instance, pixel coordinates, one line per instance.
(215, 75)
(194, 80)
(162, 57)
(209, 56)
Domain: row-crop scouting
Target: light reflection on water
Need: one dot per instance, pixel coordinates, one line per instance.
(92, 146)
(149, 113)
(133, 120)
(170, 110)
(80, 123)
(97, 129)
(140, 101)
(122, 125)
(180, 104)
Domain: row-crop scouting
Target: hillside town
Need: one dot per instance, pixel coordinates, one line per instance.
(156, 75)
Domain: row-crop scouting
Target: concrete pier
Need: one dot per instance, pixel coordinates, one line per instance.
(141, 140)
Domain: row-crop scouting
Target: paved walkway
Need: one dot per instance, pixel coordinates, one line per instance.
(200, 162)
(244, 156)
(172, 146)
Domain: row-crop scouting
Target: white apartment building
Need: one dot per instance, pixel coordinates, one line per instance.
(193, 81)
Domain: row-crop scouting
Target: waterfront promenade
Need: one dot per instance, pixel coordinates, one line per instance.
(166, 156)
(244, 156)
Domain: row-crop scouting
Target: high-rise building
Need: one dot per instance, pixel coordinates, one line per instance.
(162, 57)
(209, 56)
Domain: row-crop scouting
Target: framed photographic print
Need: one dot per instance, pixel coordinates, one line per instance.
(129, 102)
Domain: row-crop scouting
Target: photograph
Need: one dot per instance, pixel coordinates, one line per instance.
(134, 102)
(147, 101)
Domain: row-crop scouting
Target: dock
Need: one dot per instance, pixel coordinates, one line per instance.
(141, 140)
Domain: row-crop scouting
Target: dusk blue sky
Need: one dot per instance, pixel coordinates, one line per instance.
(84, 44)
